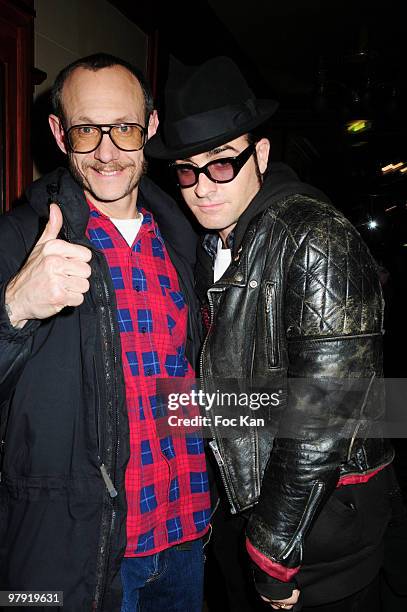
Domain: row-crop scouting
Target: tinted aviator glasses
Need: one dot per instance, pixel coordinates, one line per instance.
(221, 170)
(125, 136)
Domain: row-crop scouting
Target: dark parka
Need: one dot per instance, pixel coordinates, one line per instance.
(63, 412)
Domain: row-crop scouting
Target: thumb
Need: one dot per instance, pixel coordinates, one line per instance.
(53, 226)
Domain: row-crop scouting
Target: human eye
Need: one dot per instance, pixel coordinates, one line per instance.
(86, 130)
(184, 169)
(221, 162)
(221, 169)
(186, 175)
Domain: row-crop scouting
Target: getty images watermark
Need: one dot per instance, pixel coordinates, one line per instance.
(298, 408)
(217, 400)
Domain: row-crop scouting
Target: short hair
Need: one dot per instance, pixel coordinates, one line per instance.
(256, 134)
(95, 62)
(253, 138)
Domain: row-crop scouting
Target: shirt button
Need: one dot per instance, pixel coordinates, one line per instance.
(149, 371)
(143, 330)
(137, 288)
(253, 284)
(239, 277)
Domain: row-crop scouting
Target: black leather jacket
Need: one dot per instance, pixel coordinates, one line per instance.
(299, 311)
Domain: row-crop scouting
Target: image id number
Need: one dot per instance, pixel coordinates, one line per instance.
(31, 598)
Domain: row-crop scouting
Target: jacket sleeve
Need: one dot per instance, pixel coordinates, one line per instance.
(15, 344)
(332, 313)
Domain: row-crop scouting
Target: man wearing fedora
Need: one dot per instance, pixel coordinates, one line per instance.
(292, 302)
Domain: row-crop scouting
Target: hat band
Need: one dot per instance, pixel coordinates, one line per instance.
(213, 123)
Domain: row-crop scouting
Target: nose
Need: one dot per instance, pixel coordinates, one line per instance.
(107, 150)
(204, 186)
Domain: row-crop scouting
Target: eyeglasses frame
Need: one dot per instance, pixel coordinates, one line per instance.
(109, 127)
(236, 162)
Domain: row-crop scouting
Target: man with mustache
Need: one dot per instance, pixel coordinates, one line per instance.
(293, 307)
(95, 309)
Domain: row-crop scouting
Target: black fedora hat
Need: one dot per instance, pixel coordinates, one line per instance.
(205, 107)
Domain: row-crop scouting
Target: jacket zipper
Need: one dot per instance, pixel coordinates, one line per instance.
(104, 544)
(271, 307)
(222, 471)
(306, 519)
(98, 413)
(107, 480)
(213, 443)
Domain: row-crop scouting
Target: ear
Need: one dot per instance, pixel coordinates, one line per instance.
(58, 131)
(153, 123)
(263, 151)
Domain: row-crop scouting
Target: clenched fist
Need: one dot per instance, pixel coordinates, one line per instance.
(54, 276)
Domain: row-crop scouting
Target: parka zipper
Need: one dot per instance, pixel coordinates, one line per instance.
(213, 443)
(109, 484)
(107, 480)
(105, 537)
(104, 545)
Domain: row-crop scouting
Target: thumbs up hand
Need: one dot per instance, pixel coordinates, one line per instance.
(53, 226)
(55, 275)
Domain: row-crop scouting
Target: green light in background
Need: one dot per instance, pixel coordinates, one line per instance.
(360, 125)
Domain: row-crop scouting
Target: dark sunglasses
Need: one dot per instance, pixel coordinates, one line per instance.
(125, 136)
(222, 170)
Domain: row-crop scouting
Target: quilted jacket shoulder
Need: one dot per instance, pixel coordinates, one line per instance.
(332, 280)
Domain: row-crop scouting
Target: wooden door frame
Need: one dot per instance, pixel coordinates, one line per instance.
(16, 56)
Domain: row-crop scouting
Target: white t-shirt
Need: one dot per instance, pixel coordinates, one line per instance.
(128, 227)
(222, 261)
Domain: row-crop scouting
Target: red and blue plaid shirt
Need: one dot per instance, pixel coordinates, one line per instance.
(166, 481)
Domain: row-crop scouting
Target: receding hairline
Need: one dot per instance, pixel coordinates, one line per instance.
(96, 70)
(96, 62)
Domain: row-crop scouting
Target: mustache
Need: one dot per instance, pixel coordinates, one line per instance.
(115, 167)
